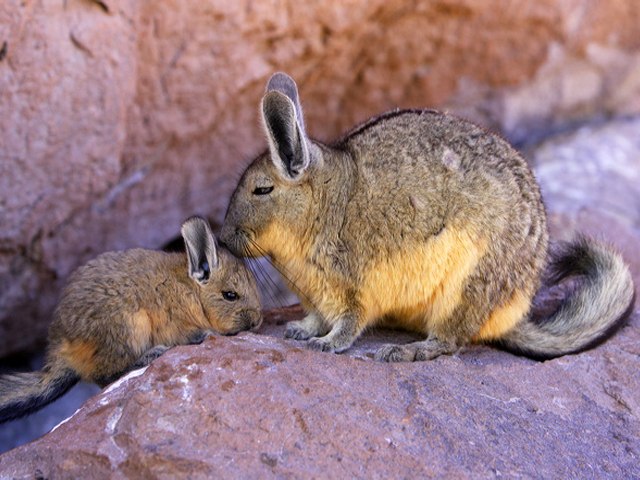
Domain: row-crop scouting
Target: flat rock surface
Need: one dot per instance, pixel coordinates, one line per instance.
(254, 406)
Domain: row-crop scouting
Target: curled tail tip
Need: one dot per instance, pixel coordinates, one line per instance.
(594, 260)
(601, 303)
(583, 255)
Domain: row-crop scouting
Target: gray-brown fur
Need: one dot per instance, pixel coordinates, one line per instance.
(123, 309)
(329, 216)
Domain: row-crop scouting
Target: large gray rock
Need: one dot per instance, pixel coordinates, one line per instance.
(590, 181)
(120, 119)
(256, 406)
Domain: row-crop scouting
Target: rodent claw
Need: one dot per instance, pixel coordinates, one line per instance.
(391, 353)
(320, 345)
(296, 333)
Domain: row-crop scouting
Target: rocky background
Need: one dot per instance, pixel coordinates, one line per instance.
(120, 119)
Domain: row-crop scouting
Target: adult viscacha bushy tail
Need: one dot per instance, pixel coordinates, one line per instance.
(24, 393)
(600, 304)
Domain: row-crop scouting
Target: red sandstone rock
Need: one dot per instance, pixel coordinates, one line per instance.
(256, 406)
(119, 119)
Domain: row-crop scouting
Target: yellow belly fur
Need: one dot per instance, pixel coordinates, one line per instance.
(421, 285)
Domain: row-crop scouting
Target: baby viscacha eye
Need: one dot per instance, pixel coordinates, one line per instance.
(230, 295)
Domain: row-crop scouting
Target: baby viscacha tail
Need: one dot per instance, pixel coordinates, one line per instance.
(24, 393)
(602, 301)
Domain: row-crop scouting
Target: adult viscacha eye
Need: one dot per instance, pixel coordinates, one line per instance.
(262, 190)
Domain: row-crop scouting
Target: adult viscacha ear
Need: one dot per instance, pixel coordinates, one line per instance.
(202, 252)
(284, 124)
(283, 83)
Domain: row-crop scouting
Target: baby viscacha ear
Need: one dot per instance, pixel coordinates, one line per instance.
(284, 125)
(202, 251)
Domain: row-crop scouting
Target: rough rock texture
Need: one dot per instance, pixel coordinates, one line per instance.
(254, 406)
(119, 119)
